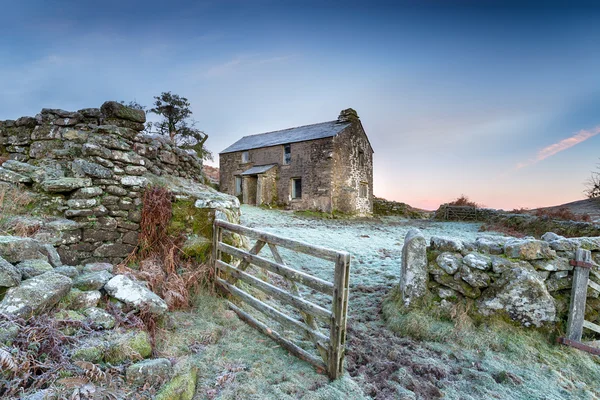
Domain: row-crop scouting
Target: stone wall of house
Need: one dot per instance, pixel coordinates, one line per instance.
(349, 172)
(526, 279)
(312, 161)
(89, 169)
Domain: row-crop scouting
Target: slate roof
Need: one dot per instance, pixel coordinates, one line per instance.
(291, 135)
(258, 169)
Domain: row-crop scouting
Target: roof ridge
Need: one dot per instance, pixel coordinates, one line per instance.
(295, 127)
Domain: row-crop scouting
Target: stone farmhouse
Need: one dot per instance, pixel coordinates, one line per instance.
(326, 167)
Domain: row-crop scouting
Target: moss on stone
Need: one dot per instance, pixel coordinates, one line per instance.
(92, 354)
(128, 346)
(198, 248)
(189, 219)
(181, 387)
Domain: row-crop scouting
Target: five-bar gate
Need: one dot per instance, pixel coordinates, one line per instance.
(324, 325)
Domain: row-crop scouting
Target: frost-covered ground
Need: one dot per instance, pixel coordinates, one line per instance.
(375, 244)
(387, 366)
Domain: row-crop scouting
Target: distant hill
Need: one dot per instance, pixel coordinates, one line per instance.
(579, 207)
(212, 173)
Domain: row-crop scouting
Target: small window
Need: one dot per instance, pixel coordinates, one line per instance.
(245, 157)
(364, 190)
(361, 158)
(238, 185)
(296, 188)
(287, 154)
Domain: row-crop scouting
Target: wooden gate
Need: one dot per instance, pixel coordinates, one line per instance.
(583, 265)
(324, 326)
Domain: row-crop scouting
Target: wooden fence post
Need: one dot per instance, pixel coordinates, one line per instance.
(582, 265)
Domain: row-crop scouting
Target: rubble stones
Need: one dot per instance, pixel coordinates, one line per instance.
(129, 292)
(35, 295)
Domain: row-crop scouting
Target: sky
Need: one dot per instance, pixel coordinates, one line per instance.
(499, 101)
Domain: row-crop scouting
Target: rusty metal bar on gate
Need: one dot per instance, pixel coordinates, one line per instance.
(578, 345)
(581, 264)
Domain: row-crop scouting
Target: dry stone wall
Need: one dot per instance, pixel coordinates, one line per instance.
(525, 279)
(89, 169)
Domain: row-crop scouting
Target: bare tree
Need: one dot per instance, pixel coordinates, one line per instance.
(592, 185)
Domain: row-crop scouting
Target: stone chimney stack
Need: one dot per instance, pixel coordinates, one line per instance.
(348, 115)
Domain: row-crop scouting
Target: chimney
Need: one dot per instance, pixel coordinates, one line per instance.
(348, 115)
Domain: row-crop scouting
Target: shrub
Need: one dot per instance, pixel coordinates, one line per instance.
(464, 201)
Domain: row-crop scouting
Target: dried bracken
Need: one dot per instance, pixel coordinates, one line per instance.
(159, 257)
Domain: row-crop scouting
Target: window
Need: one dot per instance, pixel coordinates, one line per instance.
(238, 185)
(287, 154)
(363, 190)
(245, 157)
(361, 158)
(296, 188)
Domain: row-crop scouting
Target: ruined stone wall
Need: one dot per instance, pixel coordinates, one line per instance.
(349, 174)
(311, 161)
(91, 167)
(527, 280)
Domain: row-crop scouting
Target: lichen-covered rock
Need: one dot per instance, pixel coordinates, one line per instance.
(449, 262)
(456, 283)
(181, 387)
(441, 243)
(20, 167)
(92, 280)
(132, 293)
(522, 294)
(135, 181)
(556, 264)
(9, 274)
(35, 295)
(131, 345)
(100, 317)
(113, 109)
(490, 244)
(478, 261)
(96, 267)
(31, 268)
(551, 236)
(65, 184)
(67, 270)
(77, 299)
(13, 177)
(556, 283)
(84, 168)
(15, 249)
(414, 275)
(157, 370)
(528, 249)
(474, 277)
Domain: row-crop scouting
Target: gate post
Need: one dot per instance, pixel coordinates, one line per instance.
(581, 273)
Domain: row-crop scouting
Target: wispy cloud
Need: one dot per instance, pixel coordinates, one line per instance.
(564, 144)
(243, 61)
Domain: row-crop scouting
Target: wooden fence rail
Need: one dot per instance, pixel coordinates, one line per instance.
(330, 345)
(583, 265)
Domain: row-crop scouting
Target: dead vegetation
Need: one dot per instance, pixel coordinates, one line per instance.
(464, 201)
(158, 259)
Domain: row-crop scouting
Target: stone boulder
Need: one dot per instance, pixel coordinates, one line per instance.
(414, 274)
(449, 262)
(9, 274)
(155, 371)
(522, 294)
(35, 295)
(441, 243)
(528, 249)
(132, 293)
(478, 261)
(92, 280)
(113, 109)
(15, 249)
(31, 268)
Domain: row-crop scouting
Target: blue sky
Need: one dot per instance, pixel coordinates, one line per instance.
(496, 100)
